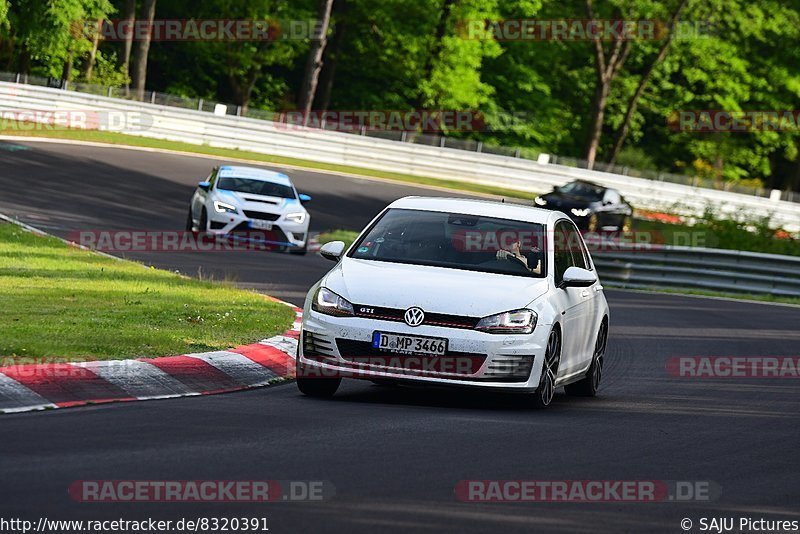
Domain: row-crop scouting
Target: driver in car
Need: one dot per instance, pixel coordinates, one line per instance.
(515, 254)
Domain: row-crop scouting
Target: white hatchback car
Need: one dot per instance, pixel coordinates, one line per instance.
(247, 202)
(458, 292)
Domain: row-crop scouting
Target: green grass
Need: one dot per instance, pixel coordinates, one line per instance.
(225, 153)
(348, 236)
(62, 303)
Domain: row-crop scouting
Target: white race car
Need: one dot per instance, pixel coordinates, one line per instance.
(251, 203)
(458, 292)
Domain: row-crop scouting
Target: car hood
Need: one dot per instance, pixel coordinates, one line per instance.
(434, 289)
(259, 202)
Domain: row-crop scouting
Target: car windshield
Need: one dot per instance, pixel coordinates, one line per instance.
(583, 190)
(456, 241)
(256, 187)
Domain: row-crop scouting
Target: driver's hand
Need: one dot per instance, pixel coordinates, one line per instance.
(503, 254)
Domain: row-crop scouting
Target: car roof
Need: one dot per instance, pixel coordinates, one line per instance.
(253, 173)
(485, 208)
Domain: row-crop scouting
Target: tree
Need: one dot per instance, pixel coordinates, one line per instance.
(314, 59)
(139, 74)
(129, 16)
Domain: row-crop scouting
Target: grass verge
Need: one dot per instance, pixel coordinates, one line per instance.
(348, 236)
(61, 303)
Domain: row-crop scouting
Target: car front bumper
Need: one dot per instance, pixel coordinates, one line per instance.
(283, 232)
(341, 346)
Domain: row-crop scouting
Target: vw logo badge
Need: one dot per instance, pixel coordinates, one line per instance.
(414, 316)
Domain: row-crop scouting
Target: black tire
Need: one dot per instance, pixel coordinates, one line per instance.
(189, 222)
(589, 386)
(299, 251)
(318, 387)
(547, 383)
(203, 222)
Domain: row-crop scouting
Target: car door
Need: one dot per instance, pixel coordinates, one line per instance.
(593, 304)
(613, 209)
(572, 302)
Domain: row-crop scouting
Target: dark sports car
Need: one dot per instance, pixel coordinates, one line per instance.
(592, 206)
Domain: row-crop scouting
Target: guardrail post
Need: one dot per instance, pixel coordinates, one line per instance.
(153, 97)
(200, 105)
(238, 111)
(362, 131)
(518, 153)
(17, 78)
(480, 147)
(110, 89)
(65, 86)
(403, 136)
(442, 141)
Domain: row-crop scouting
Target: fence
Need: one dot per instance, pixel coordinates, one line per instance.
(728, 271)
(187, 124)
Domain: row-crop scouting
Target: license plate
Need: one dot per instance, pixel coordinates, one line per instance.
(261, 225)
(403, 344)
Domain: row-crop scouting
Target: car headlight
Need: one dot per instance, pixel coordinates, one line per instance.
(580, 213)
(327, 302)
(298, 217)
(224, 207)
(513, 322)
(540, 201)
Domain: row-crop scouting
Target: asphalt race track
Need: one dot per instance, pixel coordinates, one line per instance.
(394, 456)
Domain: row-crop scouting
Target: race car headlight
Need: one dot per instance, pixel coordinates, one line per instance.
(580, 213)
(298, 217)
(513, 322)
(540, 201)
(223, 207)
(327, 302)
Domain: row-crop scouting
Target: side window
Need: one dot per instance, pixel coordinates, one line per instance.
(611, 197)
(561, 251)
(576, 246)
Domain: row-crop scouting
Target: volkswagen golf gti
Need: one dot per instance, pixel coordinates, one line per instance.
(454, 292)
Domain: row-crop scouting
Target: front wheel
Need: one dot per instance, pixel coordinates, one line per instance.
(189, 222)
(318, 387)
(547, 383)
(589, 386)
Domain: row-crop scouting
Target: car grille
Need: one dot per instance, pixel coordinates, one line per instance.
(262, 201)
(317, 347)
(509, 368)
(431, 319)
(262, 216)
(364, 356)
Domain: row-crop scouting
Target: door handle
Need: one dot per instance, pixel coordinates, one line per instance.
(585, 293)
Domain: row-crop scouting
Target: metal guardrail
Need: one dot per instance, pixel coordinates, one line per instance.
(267, 137)
(729, 271)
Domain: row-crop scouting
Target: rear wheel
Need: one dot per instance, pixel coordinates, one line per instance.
(589, 386)
(547, 383)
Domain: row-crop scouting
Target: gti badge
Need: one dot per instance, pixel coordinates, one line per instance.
(414, 316)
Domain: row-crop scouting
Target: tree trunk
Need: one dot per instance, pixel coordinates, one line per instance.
(142, 51)
(607, 66)
(93, 52)
(130, 17)
(66, 72)
(323, 96)
(314, 61)
(648, 73)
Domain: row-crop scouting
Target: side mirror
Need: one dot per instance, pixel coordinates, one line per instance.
(304, 198)
(577, 277)
(332, 251)
(205, 186)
